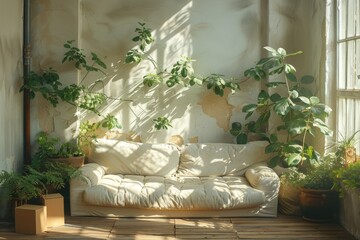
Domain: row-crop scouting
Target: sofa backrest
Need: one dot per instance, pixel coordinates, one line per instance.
(219, 159)
(132, 158)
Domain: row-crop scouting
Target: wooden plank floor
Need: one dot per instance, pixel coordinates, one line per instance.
(282, 227)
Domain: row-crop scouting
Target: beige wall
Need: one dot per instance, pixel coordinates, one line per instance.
(224, 37)
(11, 120)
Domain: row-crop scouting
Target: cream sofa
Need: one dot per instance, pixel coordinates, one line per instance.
(128, 179)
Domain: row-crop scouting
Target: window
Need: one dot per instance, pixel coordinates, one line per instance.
(348, 68)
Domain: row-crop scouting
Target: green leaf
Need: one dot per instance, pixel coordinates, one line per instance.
(281, 51)
(314, 100)
(293, 159)
(251, 126)
(275, 97)
(282, 106)
(272, 50)
(263, 120)
(170, 83)
(249, 108)
(305, 100)
(307, 79)
(298, 108)
(136, 39)
(320, 109)
(272, 147)
(297, 126)
(263, 96)
(184, 72)
(322, 127)
(219, 91)
(235, 132)
(289, 68)
(291, 77)
(273, 138)
(274, 161)
(294, 94)
(241, 139)
(236, 125)
(293, 148)
(248, 115)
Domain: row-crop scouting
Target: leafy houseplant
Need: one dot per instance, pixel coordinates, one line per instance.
(33, 183)
(318, 200)
(348, 177)
(83, 96)
(299, 111)
(50, 148)
(345, 149)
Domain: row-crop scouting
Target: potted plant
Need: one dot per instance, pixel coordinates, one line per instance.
(51, 149)
(345, 149)
(318, 199)
(348, 183)
(30, 185)
(296, 114)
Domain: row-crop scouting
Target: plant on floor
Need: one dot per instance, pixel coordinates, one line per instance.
(317, 197)
(320, 176)
(300, 112)
(33, 183)
(54, 160)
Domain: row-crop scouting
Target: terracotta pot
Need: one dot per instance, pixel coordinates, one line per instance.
(75, 162)
(289, 199)
(319, 205)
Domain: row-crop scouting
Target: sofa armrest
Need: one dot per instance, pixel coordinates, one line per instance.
(90, 174)
(261, 177)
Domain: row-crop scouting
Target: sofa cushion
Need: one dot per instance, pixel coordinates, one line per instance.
(122, 157)
(174, 193)
(220, 159)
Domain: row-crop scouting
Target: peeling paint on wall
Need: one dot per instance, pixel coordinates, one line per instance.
(217, 107)
(223, 37)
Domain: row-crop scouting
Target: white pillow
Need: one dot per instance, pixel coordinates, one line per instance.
(220, 159)
(132, 158)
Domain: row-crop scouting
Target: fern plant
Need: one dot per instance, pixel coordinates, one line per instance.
(33, 183)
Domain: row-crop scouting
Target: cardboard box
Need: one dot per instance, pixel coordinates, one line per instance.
(30, 219)
(55, 209)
